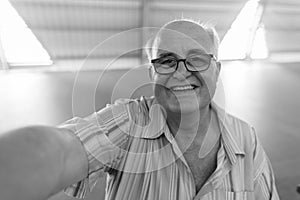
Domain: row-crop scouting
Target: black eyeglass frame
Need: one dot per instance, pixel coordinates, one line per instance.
(185, 65)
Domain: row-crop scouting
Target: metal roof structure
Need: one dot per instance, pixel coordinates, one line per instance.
(71, 29)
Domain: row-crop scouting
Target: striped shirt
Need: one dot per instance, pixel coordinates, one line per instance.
(130, 142)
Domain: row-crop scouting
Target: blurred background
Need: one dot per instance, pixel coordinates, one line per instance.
(61, 58)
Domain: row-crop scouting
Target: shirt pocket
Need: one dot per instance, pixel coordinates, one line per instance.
(227, 195)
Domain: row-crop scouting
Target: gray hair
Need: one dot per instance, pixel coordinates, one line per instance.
(152, 43)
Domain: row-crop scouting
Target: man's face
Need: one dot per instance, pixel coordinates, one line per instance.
(184, 91)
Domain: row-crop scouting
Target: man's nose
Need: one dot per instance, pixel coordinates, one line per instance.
(181, 73)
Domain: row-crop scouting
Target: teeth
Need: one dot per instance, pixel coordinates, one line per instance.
(178, 88)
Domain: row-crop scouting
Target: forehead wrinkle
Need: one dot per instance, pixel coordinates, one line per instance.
(201, 41)
(189, 30)
(195, 35)
(182, 49)
(196, 51)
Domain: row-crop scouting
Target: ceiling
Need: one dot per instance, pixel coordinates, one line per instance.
(70, 29)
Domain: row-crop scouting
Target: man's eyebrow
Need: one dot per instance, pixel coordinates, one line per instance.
(197, 51)
(165, 54)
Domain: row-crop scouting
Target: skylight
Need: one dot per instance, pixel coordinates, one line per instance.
(244, 38)
(19, 44)
(259, 48)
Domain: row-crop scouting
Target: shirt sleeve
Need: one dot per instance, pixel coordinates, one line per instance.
(104, 136)
(264, 180)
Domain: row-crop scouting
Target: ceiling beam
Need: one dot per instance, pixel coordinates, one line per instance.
(144, 25)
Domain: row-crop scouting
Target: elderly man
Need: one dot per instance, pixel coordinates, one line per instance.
(175, 145)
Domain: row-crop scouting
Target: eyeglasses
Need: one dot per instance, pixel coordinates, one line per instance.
(194, 63)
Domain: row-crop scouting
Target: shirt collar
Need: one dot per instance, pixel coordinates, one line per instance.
(232, 143)
(158, 126)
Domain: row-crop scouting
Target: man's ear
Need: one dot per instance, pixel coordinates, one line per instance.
(219, 66)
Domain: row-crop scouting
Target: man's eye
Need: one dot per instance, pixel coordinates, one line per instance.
(198, 60)
(167, 62)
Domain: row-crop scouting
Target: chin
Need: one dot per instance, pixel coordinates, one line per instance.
(187, 109)
(183, 107)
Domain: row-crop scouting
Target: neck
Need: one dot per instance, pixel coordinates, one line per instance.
(189, 125)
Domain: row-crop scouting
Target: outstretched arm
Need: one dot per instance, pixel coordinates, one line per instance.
(37, 162)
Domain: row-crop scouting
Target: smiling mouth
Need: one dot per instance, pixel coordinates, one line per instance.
(184, 88)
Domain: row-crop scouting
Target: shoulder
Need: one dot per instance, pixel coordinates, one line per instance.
(237, 125)
(242, 130)
(247, 138)
(237, 131)
(126, 109)
(237, 128)
(137, 109)
(137, 112)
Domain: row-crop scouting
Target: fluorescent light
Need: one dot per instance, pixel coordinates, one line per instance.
(237, 41)
(246, 17)
(233, 46)
(20, 45)
(259, 48)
